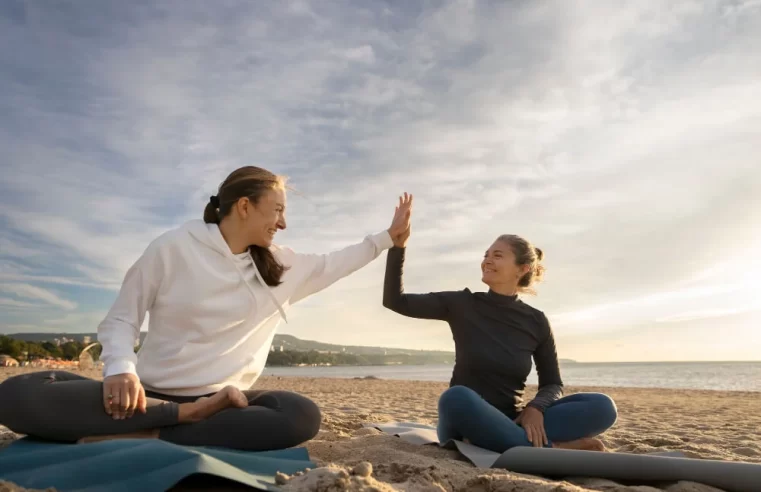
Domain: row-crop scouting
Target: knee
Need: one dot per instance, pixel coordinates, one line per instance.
(306, 419)
(457, 402)
(13, 390)
(604, 408)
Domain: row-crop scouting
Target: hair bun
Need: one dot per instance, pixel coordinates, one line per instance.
(539, 254)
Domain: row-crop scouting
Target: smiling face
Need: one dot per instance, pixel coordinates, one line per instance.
(499, 269)
(263, 219)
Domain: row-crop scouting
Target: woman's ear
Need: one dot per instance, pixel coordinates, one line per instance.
(241, 206)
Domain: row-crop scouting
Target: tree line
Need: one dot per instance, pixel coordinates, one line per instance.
(22, 350)
(313, 357)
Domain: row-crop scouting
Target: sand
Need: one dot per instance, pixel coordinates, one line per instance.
(702, 424)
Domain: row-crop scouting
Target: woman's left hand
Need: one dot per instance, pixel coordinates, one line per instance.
(532, 420)
(400, 225)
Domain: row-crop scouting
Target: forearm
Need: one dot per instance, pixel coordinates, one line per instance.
(324, 270)
(118, 339)
(424, 306)
(548, 368)
(393, 286)
(119, 331)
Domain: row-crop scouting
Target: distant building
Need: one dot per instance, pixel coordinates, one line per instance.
(86, 339)
(60, 341)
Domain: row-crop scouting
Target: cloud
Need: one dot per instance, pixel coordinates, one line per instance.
(16, 304)
(27, 291)
(621, 138)
(706, 314)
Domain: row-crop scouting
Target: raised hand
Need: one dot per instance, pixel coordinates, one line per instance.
(401, 225)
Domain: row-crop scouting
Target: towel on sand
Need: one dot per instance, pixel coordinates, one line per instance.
(669, 466)
(141, 464)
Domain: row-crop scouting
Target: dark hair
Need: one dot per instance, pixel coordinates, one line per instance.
(248, 182)
(525, 254)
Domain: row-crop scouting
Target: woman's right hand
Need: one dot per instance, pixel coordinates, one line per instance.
(122, 394)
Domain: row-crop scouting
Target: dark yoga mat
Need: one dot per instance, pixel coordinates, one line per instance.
(139, 464)
(555, 463)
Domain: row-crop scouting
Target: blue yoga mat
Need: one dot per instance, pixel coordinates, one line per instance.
(139, 464)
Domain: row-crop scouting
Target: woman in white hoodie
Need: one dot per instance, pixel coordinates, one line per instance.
(215, 290)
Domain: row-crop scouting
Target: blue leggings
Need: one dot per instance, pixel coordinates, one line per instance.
(463, 414)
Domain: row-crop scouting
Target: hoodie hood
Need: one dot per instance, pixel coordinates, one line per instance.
(210, 236)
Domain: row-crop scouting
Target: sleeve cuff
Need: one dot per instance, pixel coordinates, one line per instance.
(383, 240)
(539, 406)
(119, 367)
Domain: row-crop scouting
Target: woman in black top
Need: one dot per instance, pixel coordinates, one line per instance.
(496, 335)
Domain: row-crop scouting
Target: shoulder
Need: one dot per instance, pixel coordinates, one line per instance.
(296, 263)
(458, 296)
(536, 314)
(284, 254)
(167, 240)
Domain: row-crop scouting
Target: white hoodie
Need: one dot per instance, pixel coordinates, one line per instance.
(212, 317)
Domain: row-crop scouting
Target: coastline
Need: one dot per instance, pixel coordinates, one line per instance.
(707, 424)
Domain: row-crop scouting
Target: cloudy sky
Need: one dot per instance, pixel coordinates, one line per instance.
(622, 138)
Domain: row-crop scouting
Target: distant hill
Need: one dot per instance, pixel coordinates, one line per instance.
(288, 342)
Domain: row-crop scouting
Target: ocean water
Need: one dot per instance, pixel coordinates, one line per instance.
(728, 376)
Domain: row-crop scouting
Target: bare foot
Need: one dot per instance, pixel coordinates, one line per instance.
(202, 408)
(584, 444)
(205, 407)
(152, 434)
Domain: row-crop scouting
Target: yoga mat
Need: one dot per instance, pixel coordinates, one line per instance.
(670, 466)
(732, 476)
(139, 464)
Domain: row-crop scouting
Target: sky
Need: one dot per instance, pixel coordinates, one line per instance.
(620, 137)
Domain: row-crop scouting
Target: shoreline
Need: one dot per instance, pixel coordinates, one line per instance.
(529, 387)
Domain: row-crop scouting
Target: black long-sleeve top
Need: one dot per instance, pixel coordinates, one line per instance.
(495, 338)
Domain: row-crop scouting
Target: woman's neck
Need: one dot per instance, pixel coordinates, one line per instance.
(233, 239)
(504, 290)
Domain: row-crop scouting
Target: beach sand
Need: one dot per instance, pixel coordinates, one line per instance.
(702, 424)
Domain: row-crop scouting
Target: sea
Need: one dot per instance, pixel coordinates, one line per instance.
(726, 376)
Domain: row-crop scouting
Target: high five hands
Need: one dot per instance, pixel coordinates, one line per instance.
(400, 226)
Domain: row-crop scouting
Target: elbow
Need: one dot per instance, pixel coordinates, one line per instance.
(388, 304)
(392, 304)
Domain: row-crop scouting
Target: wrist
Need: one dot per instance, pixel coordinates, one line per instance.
(534, 407)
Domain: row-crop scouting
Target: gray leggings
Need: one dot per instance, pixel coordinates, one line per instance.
(62, 406)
